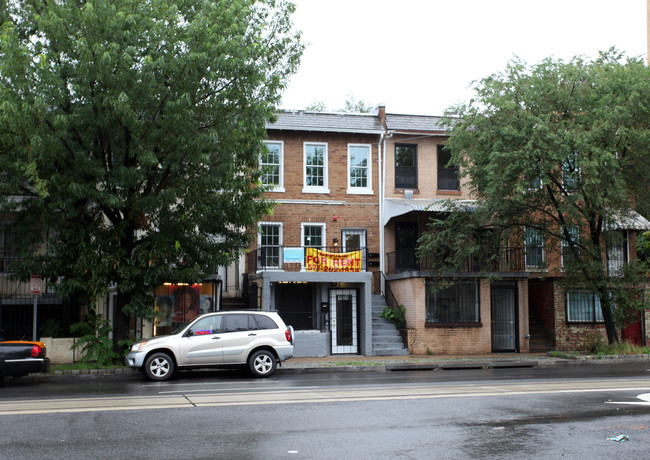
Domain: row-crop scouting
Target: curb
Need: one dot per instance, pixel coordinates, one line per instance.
(399, 365)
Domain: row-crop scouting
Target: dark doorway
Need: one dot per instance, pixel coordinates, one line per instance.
(504, 317)
(406, 238)
(295, 303)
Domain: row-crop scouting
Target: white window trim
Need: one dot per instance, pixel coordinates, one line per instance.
(529, 267)
(280, 186)
(361, 190)
(302, 237)
(311, 189)
(280, 242)
(565, 244)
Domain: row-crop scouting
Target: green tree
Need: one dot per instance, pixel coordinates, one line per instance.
(131, 130)
(561, 148)
(352, 105)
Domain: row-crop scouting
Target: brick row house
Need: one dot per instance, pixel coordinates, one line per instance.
(406, 179)
(352, 194)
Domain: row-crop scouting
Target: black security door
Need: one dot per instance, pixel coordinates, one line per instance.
(504, 317)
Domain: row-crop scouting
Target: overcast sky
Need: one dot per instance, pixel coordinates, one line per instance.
(420, 56)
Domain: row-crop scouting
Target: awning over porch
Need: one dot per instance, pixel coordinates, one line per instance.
(629, 220)
(394, 207)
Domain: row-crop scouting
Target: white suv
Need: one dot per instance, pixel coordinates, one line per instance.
(256, 339)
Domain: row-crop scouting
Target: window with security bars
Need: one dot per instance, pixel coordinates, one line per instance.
(534, 247)
(458, 303)
(583, 307)
(570, 245)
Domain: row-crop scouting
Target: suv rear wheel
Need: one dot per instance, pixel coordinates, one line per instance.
(159, 367)
(262, 363)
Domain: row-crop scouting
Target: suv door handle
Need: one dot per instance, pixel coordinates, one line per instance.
(252, 334)
(216, 338)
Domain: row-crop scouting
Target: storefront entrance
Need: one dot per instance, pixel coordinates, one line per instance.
(344, 327)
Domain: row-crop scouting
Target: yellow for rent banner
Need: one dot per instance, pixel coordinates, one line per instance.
(317, 260)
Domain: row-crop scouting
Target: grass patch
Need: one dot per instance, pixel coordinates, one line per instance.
(358, 363)
(563, 354)
(78, 366)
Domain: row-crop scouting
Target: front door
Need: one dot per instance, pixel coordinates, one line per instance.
(406, 238)
(343, 310)
(504, 317)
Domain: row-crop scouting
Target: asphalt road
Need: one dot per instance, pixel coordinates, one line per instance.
(553, 412)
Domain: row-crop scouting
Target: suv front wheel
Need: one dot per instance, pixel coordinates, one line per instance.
(262, 363)
(159, 367)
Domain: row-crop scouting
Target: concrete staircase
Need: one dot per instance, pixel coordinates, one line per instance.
(386, 339)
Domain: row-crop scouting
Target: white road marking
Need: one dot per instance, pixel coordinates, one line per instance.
(645, 397)
(319, 395)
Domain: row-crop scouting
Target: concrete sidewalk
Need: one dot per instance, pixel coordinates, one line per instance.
(426, 362)
(341, 363)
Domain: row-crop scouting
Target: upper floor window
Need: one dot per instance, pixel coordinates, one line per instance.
(447, 173)
(313, 235)
(534, 247)
(272, 165)
(571, 171)
(270, 244)
(617, 253)
(406, 166)
(315, 164)
(359, 168)
(583, 307)
(570, 245)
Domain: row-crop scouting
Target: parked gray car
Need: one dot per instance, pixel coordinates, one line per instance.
(253, 339)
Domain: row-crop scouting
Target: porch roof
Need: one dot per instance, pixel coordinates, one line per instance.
(394, 207)
(629, 220)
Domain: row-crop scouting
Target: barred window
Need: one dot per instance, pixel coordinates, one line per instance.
(583, 307)
(458, 303)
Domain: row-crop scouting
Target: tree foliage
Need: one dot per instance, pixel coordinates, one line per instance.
(131, 131)
(553, 147)
(351, 105)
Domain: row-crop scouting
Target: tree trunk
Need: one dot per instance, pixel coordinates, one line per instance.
(610, 323)
(121, 322)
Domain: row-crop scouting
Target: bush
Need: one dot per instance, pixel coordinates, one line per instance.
(94, 341)
(396, 316)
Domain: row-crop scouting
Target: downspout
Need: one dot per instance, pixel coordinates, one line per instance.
(380, 173)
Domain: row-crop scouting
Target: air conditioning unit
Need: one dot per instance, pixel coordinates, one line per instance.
(408, 194)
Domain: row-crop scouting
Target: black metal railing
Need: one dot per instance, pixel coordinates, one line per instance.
(496, 261)
(279, 257)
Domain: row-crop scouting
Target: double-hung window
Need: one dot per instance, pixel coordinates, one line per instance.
(270, 244)
(617, 255)
(272, 165)
(313, 235)
(583, 307)
(447, 173)
(534, 248)
(315, 168)
(458, 303)
(570, 245)
(571, 171)
(406, 166)
(359, 169)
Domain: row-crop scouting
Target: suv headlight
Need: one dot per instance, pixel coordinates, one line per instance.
(138, 346)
